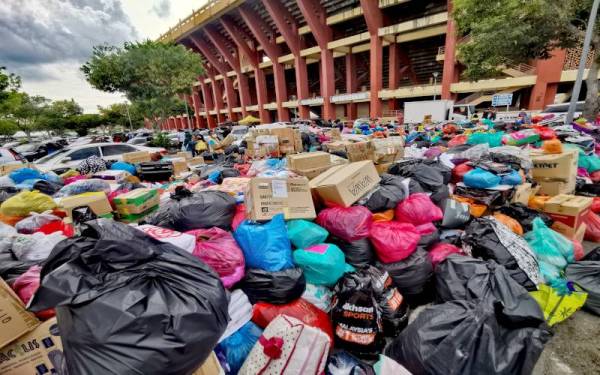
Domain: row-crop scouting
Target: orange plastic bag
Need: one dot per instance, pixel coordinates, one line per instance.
(537, 202)
(10, 220)
(553, 146)
(387, 215)
(475, 209)
(511, 223)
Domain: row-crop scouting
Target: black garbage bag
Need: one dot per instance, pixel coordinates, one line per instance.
(510, 160)
(467, 337)
(487, 238)
(429, 239)
(412, 276)
(343, 363)
(127, 303)
(390, 192)
(465, 278)
(440, 196)
(585, 189)
(10, 266)
(186, 211)
(7, 192)
(456, 214)
(430, 174)
(593, 255)
(525, 215)
(490, 198)
(47, 187)
(586, 274)
(358, 253)
(278, 288)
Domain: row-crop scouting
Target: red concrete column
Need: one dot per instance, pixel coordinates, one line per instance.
(548, 76)
(351, 84)
(450, 73)
(327, 84)
(208, 103)
(261, 95)
(280, 90)
(217, 98)
(394, 73)
(197, 105)
(301, 85)
(374, 20)
(231, 96)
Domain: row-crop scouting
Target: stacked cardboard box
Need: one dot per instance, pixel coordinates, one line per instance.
(96, 201)
(136, 204)
(266, 197)
(273, 142)
(555, 173)
(309, 164)
(137, 157)
(569, 212)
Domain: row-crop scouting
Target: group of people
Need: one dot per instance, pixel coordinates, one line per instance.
(194, 143)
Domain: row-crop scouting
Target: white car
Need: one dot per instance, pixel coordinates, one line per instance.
(71, 156)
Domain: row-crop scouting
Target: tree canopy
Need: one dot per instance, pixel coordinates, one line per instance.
(151, 74)
(518, 31)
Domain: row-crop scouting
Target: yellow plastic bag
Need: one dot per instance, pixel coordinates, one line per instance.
(557, 308)
(25, 202)
(69, 173)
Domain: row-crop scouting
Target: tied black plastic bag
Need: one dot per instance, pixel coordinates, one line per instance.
(274, 287)
(391, 191)
(47, 187)
(467, 337)
(358, 253)
(412, 276)
(344, 363)
(186, 211)
(525, 215)
(464, 278)
(586, 274)
(430, 174)
(10, 266)
(129, 304)
(487, 238)
(7, 192)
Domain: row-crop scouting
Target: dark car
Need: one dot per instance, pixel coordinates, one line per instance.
(32, 151)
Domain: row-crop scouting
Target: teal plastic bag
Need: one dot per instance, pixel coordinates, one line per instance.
(492, 139)
(323, 264)
(481, 179)
(553, 250)
(589, 163)
(304, 233)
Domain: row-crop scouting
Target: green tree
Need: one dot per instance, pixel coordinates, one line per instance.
(520, 31)
(149, 73)
(7, 127)
(82, 123)
(9, 82)
(27, 113)
(118, 114)
(60, 114)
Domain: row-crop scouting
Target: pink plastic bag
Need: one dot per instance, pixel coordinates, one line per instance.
(26, 285)
(425, 229)
(592, 232)
(70, 180)
(578, 252)
(441, 251)
(239, 216)
(418, 209)
(220, 251)
(394, 241)
(348, 223)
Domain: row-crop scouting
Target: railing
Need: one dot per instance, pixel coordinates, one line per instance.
(464, 39)
(473, 97)
(521, 67)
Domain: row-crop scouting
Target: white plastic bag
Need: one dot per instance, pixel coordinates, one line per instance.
(318, 295)
(182, 240)
(240, 312)
(35, 246)
(33, 222)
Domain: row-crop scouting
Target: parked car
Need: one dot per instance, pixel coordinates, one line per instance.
(71, 156)
(139, 140)
(32, 151)
(10, 156)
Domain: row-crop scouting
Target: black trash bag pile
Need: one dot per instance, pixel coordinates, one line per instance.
(468, 337)
(7, 192)
(586, 274)
(10, 266)
(278, 288)
(47, 187)
(129, 304)
(525, 215)
(412, 276)
(358, 253)
(487, 238)
(187, 211)
(429, 239)
(388, 194)
(432, 177)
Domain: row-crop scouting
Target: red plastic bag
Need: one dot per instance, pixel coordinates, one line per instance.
(263, 313)
(239, 216)
(459, 171)
(545, 133)
(592, 232)
(26, 285)
(596, 205)
(578, 252)
(595, 176)
(350, 224)
(425, 229)
(418, 209)
(441, 251)
(57, 226)
(220, 251)
(394, 241)
(458, 140)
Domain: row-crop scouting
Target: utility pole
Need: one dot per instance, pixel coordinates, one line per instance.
(586, 49)
(129, 117)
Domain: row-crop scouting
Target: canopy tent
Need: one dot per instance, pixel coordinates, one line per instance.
(249, 120)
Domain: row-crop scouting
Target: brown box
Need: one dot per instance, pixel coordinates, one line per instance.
(345, 184)
(360, 151)
(136, 201)
(137, 157)
(31, 352)
(334, 134)
(337, 146)
(179, 167)
(523, 192)
(568, 212)
(9, 167)
(15, 321)
(387, 150)
(198, 160)
(184, 154)
(266, 197)
(287, 140)
(210, 367)
(97, 202)
(383, 168)
(561, 166)
(308, 160)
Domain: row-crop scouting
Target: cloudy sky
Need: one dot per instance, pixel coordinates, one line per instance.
(46, 41)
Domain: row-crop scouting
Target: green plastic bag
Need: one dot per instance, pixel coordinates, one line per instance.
(304, 233)
(25, 202)
(323, 264)
(552, 249)
(557, 308)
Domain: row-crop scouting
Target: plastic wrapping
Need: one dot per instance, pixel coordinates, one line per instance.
(25, 202)
(358, 253)
(349, 224)
(592, 231)
(304, 233)
(511, 223)
(429, 235)
(237, 346)
(481, 179)
(186, 211)
(47, 187)
(411, 275)
(586, 274)
(394, 241)
(265, 246)
(167, 308)
(418, 209)
(33, 222)
(467, 337)
(220, 251)
(323, 264)
(36, 246)
(84, 186)
(318, 295)
(239, 311)
(22, 174)
(550, 247)
(391, 191)
(278, 287)
(442, 251)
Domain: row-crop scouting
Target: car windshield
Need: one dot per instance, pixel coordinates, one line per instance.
(26, 147)
(52, 156)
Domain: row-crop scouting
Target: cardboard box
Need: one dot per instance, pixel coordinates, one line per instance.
(210, 367)
(137, 157)
(184, 154)
(334, 134)
(134, 218)
(263, 145)
(15, 321)
(179, 167)
(308, 160)
(346, 184)
(552, 187)
(198, 160)
(523, 192)
(97, 202)
(387, 150)
(568, 211)
(38, 352)
(383, 168)
(136, 201)
(266, 197)
(555, 166)
(9, 167)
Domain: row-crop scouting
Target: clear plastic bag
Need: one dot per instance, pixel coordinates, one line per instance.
(84, 186)
(33, 222)
(36, 246)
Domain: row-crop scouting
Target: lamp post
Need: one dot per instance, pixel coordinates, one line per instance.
(435, 75)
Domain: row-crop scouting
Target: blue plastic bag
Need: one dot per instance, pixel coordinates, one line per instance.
(52, 177)
(322, 264)
(22, 174)
(27, 184)
(553, 250)
(237, 346)
(265, 246)
(481, 179)
(123, 166)
(513, 178)
(304, 233)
